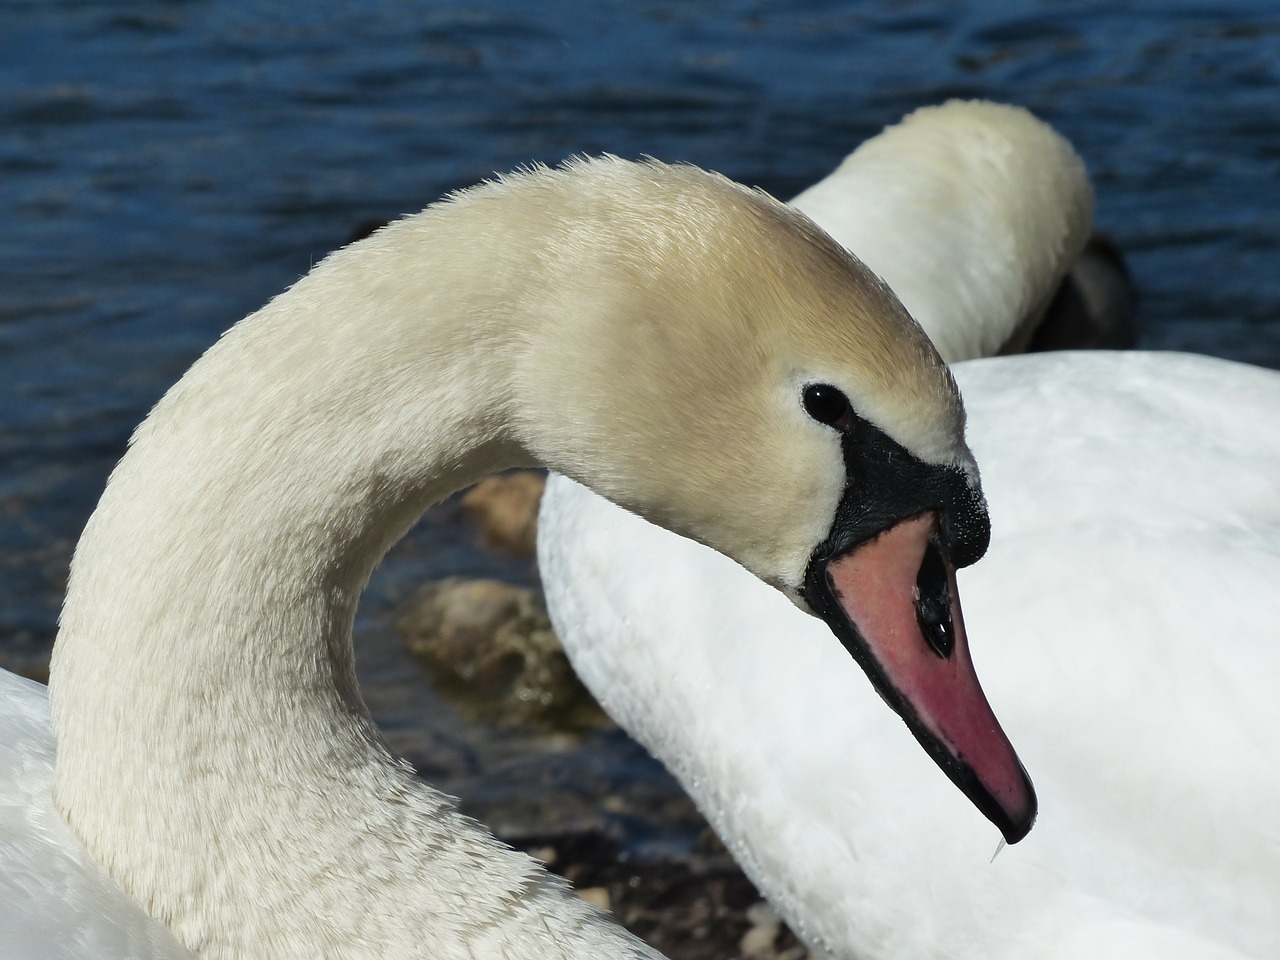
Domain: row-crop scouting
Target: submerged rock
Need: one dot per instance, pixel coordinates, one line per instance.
(491, 648)
(505, 507)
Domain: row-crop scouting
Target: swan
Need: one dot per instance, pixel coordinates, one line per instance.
(692, 349)
(1127, 642)
(971, 177)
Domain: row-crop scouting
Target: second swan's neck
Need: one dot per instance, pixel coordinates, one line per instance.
(215, 753)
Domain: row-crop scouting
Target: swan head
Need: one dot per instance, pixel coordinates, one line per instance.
(726, 370)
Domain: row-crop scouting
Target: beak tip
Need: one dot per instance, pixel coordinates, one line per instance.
(1014, 821)
(1016, 830)
(871, 597)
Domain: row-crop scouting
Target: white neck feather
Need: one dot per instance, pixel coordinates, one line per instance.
(941, 183)
(214, 751)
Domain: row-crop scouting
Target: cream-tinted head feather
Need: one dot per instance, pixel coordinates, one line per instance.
(730, 303)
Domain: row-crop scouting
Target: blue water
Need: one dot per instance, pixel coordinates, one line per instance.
(166, 167)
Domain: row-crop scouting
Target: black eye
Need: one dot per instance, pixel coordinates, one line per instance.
(828, 405)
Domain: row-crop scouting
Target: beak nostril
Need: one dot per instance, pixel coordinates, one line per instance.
(933, 603)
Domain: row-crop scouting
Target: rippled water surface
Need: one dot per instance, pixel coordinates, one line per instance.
(166, 167)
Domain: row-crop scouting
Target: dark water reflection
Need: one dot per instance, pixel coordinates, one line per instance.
(166, 167)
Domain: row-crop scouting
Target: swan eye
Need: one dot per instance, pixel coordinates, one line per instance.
(828, 405)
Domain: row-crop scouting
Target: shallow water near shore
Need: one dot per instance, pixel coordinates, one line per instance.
(167, 167)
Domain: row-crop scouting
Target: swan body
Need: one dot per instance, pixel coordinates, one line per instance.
(214, 756)
(56, 903)
(1125, 612)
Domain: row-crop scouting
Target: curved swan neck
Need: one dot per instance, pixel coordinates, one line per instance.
(215, 754)
(643, 327)
(236, 534)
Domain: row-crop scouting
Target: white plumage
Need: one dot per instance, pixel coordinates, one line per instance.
(1122, 622)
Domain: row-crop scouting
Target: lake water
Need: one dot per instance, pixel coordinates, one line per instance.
(167, 166)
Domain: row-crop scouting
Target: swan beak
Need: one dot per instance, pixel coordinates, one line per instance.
(892, 600)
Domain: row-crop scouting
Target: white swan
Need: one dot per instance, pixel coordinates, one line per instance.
(697, 351)
(1127, 637)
